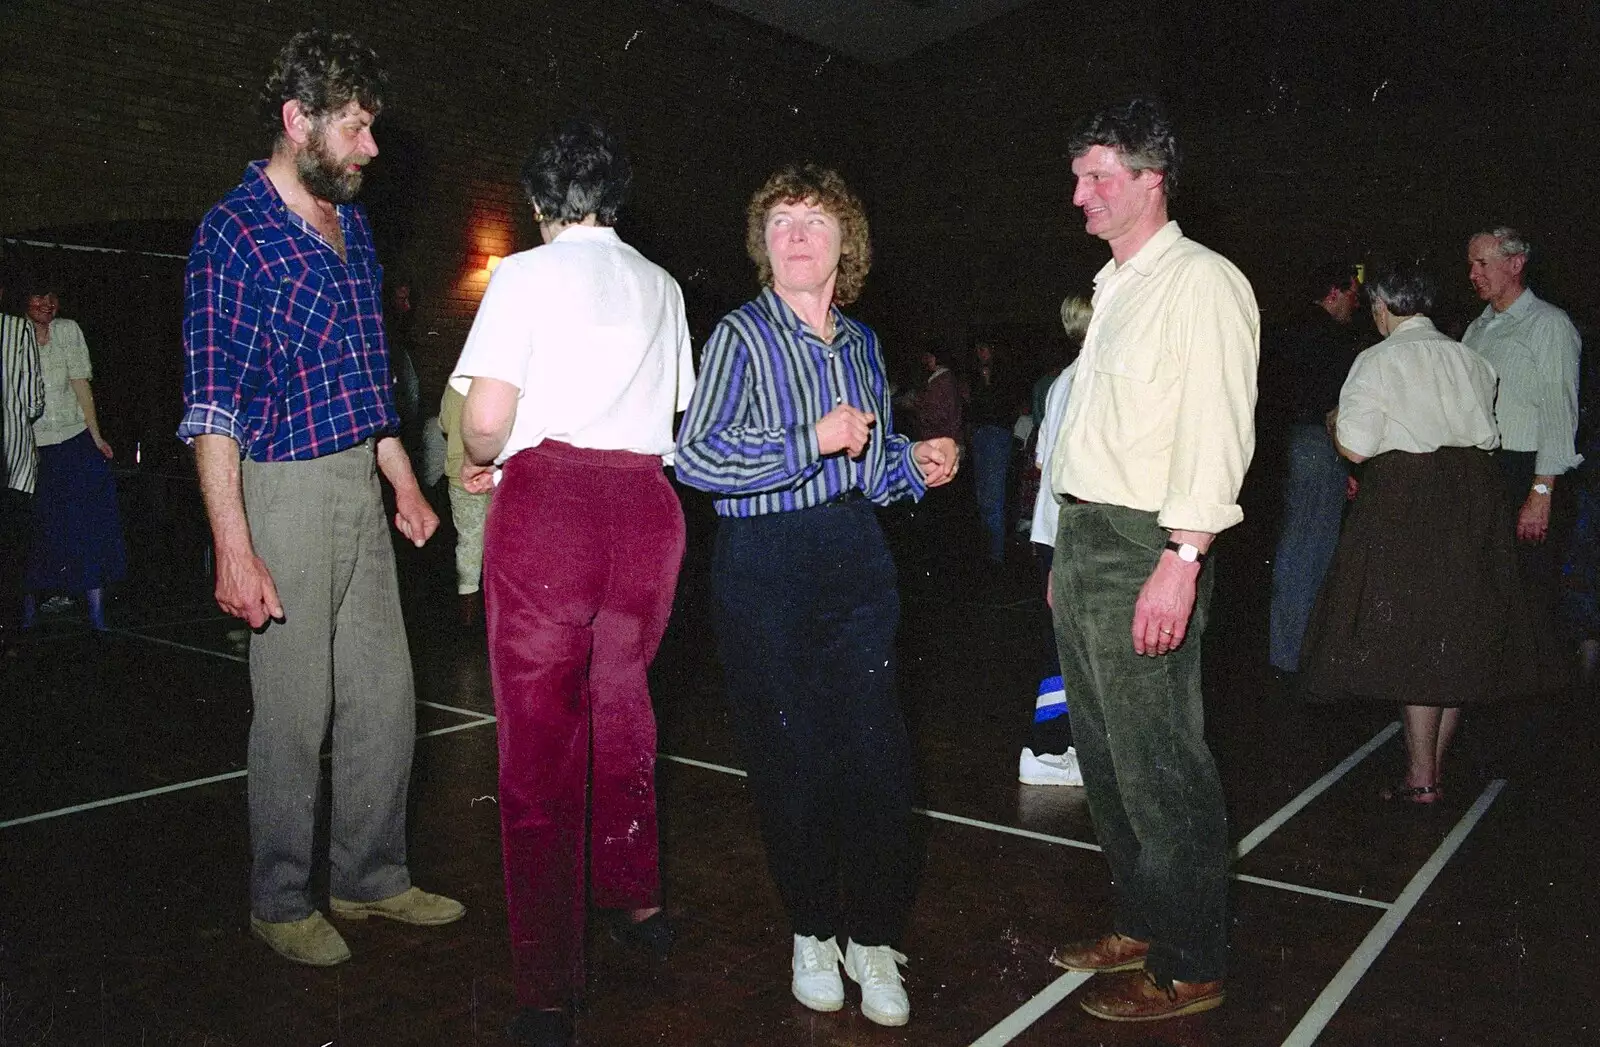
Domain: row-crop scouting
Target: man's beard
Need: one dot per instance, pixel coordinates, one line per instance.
(324, 175)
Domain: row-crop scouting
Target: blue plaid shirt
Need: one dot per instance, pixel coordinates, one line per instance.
(766, 379)
(283, 338)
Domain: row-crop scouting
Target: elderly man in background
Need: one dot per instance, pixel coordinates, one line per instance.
(1158, 433)
(288, 405)
(1534, 348)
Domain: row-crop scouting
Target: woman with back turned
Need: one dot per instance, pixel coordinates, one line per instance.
(576, 362)
(1421, 606)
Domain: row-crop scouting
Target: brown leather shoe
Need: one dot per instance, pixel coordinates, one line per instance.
(1135, 997)
(1114, 952)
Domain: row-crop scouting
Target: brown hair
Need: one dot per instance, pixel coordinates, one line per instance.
(809, 182)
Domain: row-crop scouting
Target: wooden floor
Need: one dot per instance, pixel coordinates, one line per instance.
(123, 852)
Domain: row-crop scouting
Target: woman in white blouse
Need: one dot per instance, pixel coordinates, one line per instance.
(1421, 606)
(575, 364)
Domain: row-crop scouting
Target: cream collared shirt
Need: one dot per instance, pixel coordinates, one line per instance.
(1417, 391)
(1162, 412)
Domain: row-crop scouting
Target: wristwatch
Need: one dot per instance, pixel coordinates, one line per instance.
(1543, 489)
(1187, 553)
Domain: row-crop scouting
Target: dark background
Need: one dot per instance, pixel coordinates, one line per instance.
(1313, 132)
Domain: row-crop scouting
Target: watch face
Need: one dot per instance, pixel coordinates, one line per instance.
(1188, 553)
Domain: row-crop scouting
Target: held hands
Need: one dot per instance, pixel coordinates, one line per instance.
(414, 517)
(937, 459)
(845, 428)
(477, 479)
(245, 589)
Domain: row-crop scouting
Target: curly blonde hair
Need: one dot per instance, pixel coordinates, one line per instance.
(809, 182)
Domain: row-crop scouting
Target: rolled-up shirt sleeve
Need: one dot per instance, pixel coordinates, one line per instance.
(723, 447)
(1361, 414)
(219, 336)
(1556, 395)
(1217, 329)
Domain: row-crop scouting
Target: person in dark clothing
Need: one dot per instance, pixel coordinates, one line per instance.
(1309, 361)
(991, 403)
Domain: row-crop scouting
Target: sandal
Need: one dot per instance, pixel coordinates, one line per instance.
(1401, 793)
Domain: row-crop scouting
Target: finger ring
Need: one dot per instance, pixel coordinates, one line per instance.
(1166, 632)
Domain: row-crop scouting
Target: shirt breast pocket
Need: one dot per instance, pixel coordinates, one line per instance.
(309, 318)
(1130, 350)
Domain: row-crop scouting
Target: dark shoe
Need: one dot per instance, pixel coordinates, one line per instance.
(1114, 952)
(652, 935)
(1420, 795)
(536, 1028)
(1135, 997)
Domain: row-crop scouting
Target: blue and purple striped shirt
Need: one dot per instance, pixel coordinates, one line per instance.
(766, 379)
(283, 338)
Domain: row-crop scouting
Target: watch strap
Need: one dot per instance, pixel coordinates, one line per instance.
(1196, 555)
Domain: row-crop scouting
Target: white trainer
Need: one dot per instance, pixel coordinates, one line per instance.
(816, 973)
(874, 968)
(1049, 769)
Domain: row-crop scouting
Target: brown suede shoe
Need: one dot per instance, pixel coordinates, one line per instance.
(311, 941)
(1114, 952)
(1135, 997)
(409, 906)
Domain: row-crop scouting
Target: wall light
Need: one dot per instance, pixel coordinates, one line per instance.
(492, 263)
(486, 262)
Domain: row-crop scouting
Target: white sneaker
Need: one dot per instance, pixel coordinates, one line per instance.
(1049, 769)
(816, 973)
(873, 967)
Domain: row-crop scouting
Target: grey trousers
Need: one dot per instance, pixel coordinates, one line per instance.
(341, 655)
(1139, 726)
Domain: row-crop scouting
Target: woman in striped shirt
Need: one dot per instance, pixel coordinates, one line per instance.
(790, 429)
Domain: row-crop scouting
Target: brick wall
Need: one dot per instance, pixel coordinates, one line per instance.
(1312, 130)
(142, 112)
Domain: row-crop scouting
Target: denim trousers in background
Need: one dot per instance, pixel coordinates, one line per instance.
(991, 459)
(806, 611)
(1313, 507)
(1139, 726)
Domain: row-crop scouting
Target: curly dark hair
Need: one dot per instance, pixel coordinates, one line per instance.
(798, 183)
(576, 170)
(324, 72)
(1140, 133)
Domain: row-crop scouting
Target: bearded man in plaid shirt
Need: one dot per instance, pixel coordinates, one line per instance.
(288, 406)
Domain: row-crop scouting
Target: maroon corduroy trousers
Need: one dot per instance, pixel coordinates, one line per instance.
(581, 557)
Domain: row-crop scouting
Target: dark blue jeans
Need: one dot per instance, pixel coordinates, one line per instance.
(806, 611)
(1139, 726)
(1313, 506)
(991, 459)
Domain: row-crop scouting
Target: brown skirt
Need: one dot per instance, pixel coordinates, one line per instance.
(1424, 602)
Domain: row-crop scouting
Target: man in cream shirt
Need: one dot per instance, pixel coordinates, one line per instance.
(1534, 348)
(1153, 449)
